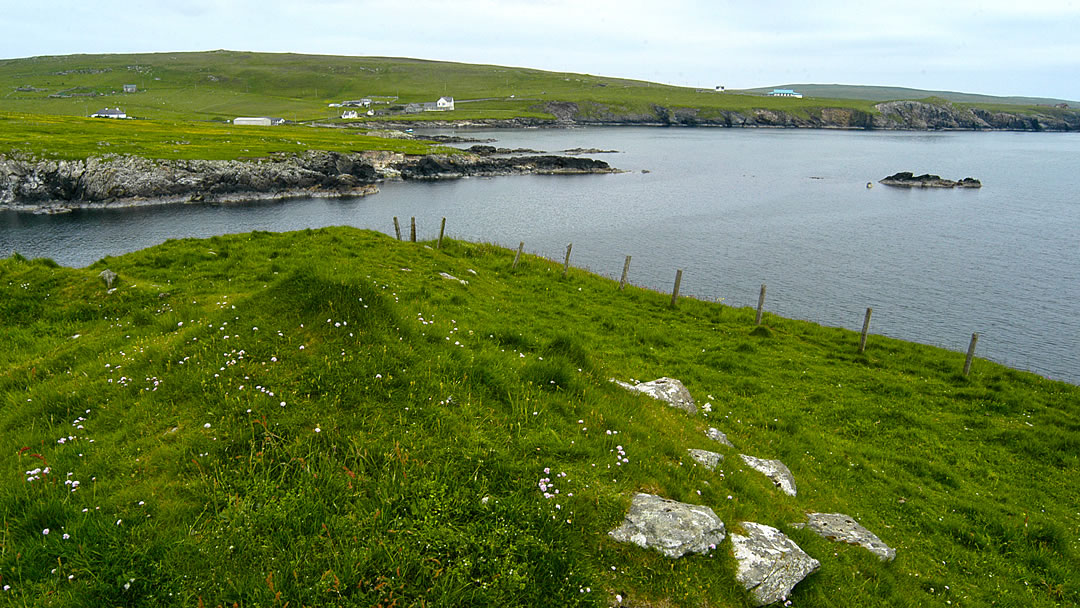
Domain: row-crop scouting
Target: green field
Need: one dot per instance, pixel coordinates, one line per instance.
(319, 418)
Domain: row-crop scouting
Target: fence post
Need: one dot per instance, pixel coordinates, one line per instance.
(675, 291)
(971, 353)
(625, 270)
(865, 328)
(397, 228)
(760, 305)
(412, 232)
(442, 229)
(518, 256)
(566, 265)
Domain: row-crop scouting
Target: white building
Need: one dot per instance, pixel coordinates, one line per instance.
(109, 113)
(349, 114)
(445, 103)
(785, 93)
(259, 121)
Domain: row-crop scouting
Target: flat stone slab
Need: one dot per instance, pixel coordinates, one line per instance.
(769, 563)
(708, 459)
(718, 436)
(668, 390)
(774, 470)
(840, 527)
(672, 528)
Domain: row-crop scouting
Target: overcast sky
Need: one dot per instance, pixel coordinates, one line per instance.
(997, 47)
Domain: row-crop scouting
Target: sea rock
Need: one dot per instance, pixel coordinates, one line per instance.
(718, 436)
(905, 179)
(672, 528)
(769, 563)
(668, 390)
(708, 459)
(774, 470)
(840, 527)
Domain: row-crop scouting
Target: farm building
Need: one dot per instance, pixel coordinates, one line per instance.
(109, 113)
(259, 121)
(130, 88)
(785, 93)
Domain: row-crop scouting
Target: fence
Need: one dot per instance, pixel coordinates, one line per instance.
(675, 289)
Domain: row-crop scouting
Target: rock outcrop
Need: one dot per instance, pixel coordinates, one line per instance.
(769, 563)
(672, 528)
(840, 527)
(60, 185)
(707, 459)
(718, 436)
(668, 390)
(906, 179)
(775, 470)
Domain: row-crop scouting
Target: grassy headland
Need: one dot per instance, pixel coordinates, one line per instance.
(319, 418)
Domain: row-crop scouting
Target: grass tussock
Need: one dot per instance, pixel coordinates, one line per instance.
(318, 418)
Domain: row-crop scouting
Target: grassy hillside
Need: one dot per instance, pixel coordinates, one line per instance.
(877, 94)
(220, 85)
(319, 418)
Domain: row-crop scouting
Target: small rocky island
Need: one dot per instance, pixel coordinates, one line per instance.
(906, 179)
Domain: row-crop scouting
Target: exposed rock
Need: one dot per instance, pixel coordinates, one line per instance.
(668, 390)
(55, 186)
(450, 277)
(840, 527)
(672, 528)
(769, 563)
(718, 436)
(906, 179)
(108, 276)
(708, 459)
(575, 151)
(774, 470)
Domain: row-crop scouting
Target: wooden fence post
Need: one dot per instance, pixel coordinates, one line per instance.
(675, 291)
(412, 232)
(397, 228)
(518, 256)
(971, 353)
(566, 265)
(442, 229)
(865, 328)
(760, 305)
(625, 270)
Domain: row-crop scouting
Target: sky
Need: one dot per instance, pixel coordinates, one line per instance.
(995, 47)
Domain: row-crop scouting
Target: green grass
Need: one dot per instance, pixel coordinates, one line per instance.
(68, 137)
(420, 413)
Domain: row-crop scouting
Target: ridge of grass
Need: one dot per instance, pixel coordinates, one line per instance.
(319, 418)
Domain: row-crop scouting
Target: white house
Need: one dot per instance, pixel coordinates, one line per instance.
(130, 88)
(109, 113)
(445, 103)
(349, 114)
(785, 93)
(259, 121)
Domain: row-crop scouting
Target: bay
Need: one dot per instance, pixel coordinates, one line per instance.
(734, 209)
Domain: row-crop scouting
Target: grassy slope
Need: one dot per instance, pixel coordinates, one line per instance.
(317, 418)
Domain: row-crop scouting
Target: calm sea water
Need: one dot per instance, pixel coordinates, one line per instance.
(735, 209)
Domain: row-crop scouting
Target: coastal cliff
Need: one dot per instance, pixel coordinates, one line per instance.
(53, 186)
(889, 116)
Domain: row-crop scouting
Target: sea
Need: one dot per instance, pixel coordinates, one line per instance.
(797, 210)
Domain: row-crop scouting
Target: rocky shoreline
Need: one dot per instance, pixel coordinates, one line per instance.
(51, 186)
(888, 116)
(907, 179)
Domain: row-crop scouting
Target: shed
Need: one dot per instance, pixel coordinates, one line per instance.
(259, 121)
(130, 88)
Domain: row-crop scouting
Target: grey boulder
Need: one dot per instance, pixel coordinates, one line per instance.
(774, 470)
(708, 459)
(672, 528)
(718, 436)
(840, 527)
(668, 390)
(769, 563)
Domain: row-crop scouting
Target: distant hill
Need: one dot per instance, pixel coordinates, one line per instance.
(875, 93)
